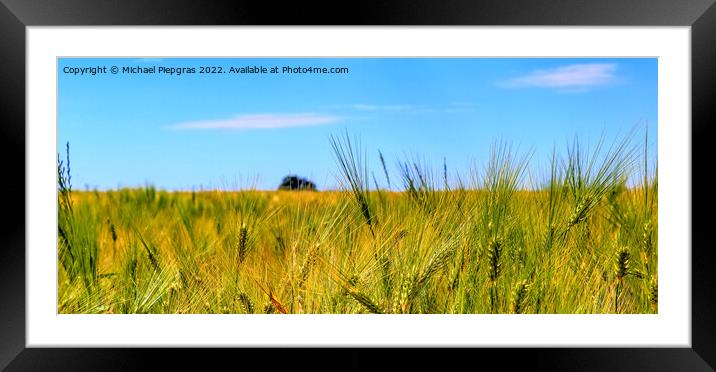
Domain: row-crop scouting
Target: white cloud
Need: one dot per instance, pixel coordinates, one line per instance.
(365, 107)
(260, 121)
(372, 107)
(409, 109)
(572, 78)
(460, 106)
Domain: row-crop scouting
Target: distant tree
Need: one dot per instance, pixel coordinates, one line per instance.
(293, 182)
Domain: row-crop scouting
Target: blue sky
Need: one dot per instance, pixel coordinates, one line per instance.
(228, 131)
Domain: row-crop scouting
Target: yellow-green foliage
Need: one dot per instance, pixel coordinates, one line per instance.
(314, 253)
(491, 247)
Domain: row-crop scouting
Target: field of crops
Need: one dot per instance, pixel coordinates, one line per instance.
(580, 238)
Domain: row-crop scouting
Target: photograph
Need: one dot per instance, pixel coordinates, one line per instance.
(206, 180)
(340, 185)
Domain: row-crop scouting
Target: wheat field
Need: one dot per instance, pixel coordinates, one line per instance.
(577, 237)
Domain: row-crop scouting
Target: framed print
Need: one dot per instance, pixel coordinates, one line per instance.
(475, 177)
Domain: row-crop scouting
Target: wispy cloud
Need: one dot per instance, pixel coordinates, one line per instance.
(452, 107)
(460, 106)
(572, 78)
(259, 121)
(142, 60)
(367, 107)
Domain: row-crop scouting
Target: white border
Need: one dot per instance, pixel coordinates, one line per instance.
(671, 327)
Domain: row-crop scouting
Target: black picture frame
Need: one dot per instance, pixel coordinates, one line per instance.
(16, 15)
